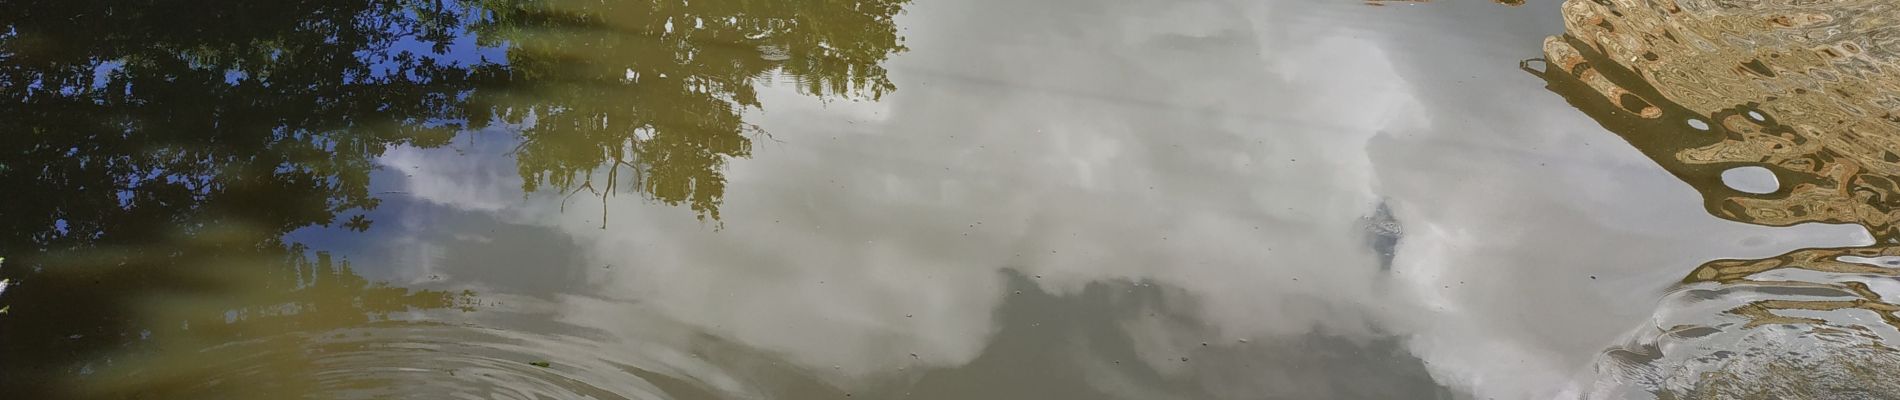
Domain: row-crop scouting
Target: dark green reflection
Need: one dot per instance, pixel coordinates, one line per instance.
(157, 152)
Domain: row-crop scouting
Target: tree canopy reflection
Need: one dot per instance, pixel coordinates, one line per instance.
(162, 149)
(658, 87)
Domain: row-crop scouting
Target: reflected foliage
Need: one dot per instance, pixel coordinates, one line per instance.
(654, 91)
(155, 149)
(157, 152)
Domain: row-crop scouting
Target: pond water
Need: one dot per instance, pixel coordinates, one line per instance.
(980, 199)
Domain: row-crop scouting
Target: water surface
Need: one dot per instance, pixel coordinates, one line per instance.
(1056, 199)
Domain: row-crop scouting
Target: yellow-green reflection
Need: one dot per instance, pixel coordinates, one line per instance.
(157, 153)
(654, 90)
(249, 331)
(1804, 91)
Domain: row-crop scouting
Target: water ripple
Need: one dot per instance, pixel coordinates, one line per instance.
(396, 359)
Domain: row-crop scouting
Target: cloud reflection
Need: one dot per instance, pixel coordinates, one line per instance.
(1070, 149)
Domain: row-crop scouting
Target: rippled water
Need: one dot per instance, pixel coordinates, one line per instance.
(1052, 199)
(1778, 114)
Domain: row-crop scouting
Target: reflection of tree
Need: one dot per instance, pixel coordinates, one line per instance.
(655, 88)
(159, 150)
(111, 115)
(163, 148)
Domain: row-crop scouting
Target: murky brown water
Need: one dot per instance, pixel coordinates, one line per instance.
(986, 199)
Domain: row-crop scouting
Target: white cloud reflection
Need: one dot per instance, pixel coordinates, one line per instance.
(1226, 151)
